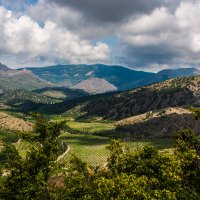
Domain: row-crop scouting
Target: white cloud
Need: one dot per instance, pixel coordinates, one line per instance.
(164, 36)
(24, 38)
(153, 34)
(71, 19)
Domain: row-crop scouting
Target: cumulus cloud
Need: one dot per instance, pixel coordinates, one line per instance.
(25, 39)
(70, 19)
(110, 10)
(163, 37)
(148, 34)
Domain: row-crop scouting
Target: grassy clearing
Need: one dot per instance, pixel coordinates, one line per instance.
(85, 127)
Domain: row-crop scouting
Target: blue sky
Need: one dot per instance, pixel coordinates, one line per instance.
(145, 35)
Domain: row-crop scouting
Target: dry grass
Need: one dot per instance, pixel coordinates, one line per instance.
(159, 124)
(12, 123)
(153, 114)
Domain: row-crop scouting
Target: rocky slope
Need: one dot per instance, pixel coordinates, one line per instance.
(95, 85)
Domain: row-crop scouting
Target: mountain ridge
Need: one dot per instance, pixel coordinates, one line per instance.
(121, 77)
(184, 91)
(70, 75)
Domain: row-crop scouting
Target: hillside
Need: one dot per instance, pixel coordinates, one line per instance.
(16, 86)
(61, 93)
(25, 79)
(10, 122)
(95, 85)
(175, 92)
(14, 97)
(158, 124)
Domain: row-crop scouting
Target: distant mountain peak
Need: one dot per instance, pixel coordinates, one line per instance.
(3, 67)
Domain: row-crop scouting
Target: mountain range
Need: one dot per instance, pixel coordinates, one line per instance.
(59, 83)
(95, 78)
(71, 75)
(117, 77)
(138, 101)
(153, 111)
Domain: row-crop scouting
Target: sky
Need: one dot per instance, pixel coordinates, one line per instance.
(148, 35)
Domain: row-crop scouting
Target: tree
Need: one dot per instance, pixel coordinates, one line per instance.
(143, 174)
(28, 177)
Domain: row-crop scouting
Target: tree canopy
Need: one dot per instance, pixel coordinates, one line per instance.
(146, 173)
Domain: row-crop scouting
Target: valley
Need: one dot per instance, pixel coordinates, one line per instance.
(96, 110)
(130, 115)
(99, 100)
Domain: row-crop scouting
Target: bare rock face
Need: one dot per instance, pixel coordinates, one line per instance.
(95, 85)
